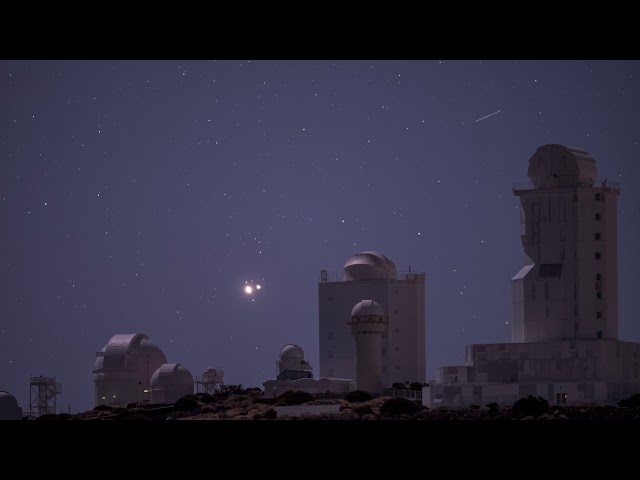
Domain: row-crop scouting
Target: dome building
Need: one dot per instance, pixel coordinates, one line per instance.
(123, 369)
(565, 344)
(170, 382)
(9, 409)
(401, 295)
(292, 365)
(294, 373)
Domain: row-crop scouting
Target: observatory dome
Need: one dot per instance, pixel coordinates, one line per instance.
(9, 409)
(367, 308)
(369, 265)
(555, 165)
(170, 382)
(171, 374)
(123, 350)
(291, 351)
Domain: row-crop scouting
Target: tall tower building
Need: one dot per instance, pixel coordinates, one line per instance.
(368, 324)
(565, 346)
(570, 289)
(401, 295)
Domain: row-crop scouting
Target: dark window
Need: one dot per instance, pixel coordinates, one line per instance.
(330, 298)
(598, 276)
(330, 354)
(551, 270)
(599, 295)
(597, 196)
(599, 334)
(597, 255)
(598, 314)
(330, 336)
(596, 236)
(397, 292)
(597, 216)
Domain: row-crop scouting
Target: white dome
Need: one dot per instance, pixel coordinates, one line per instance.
(367, 308)
(369, 265)
(170, 383)
(121, 350)
(171, 374)
(291, 351)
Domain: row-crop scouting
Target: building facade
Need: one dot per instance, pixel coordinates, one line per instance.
(565, 302)
(371, 275)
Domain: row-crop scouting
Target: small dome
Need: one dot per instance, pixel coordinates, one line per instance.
(9, 409)
(291, 351)
(555, 165)
(212, 375)
(369, 265)
(7, 400)
(171, 374)
(368, 308)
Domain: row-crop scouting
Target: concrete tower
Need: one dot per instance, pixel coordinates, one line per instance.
(368, 323)
(401, 295)
(568, 218)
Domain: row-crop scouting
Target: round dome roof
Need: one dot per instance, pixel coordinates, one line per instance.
(147, 346)
(369, 265)
(171, 374)
(367, 308)
(292, 351)
(558, 165)
(7, 401)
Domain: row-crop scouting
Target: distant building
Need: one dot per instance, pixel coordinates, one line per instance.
(170, 383)
(294, 374)
(565, 302)
(123, 370)
(401, 295)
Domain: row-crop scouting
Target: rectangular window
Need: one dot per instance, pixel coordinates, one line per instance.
(598, 314)
(329, 298)
(599, 334)
(597, 255)
(597, 216)
(551, 270)
(599, 295)
(596, 236)
(330, 336)
(597, 196)
(598, 276)
(330, 354)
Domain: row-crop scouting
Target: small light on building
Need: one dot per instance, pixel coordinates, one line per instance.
(114, 396)
(146, 391)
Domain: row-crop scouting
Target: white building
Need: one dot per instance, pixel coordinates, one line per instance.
(565, 303)
(123, 369)
(170, 382)
(294, 373)
(368, 324)
(9, 409)
(371, 275)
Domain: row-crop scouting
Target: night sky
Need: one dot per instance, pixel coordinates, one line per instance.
(140, 196)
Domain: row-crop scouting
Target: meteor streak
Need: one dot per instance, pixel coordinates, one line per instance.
(490, 115)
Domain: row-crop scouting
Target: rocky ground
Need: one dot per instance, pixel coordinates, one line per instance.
(251, 405)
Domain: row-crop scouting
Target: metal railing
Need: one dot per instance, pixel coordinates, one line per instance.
(568, 181)
(332, 277)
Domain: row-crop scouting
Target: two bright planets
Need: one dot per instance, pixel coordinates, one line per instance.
(250, 288)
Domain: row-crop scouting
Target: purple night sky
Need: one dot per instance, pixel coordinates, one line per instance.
(140, 196)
